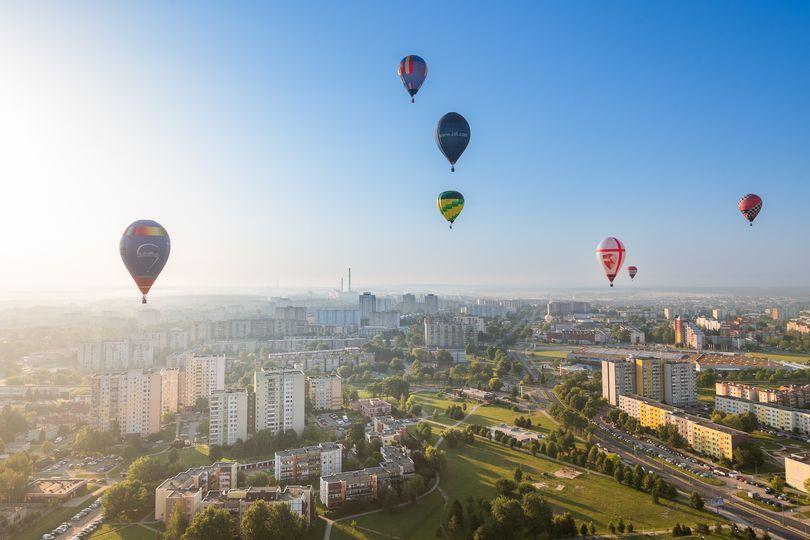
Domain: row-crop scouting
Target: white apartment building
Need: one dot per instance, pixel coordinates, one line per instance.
(618, 379)
(129, 399)
(443, 334)
(768, 414)
(680, 383)
(325, 360)
(307, 463)
(170, 383)
(228, 417)
(203, 375)
(100, 356)
(325, 393)
(280, 400)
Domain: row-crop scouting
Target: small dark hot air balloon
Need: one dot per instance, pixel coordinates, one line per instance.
(452, 136)
(450, 204)
(632, 270)
(145, 248)
(750, 205)
(412, 72)
(611, 254)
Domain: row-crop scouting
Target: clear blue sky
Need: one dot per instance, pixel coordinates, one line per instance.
(276, 144)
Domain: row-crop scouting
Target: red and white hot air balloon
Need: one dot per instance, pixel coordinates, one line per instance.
(611, 254)
(632, 270)
(750, 205)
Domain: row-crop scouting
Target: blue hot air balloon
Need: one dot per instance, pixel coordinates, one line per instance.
(145, 248)
(412, 72)
(452, 136)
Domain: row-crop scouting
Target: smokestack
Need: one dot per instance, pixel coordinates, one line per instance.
(350, 279)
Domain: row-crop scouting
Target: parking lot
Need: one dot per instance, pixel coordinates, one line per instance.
(333, 420)
(70, 466)
(81, 525)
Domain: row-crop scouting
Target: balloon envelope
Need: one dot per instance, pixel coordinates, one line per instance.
(145, 248)
(450, 204)
(750, 205)
(611, 254)
(452, 136)
(632, 270)
(412, 72)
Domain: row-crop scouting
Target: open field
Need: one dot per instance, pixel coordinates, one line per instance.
(551, 353)
(784, 356)
(706, 395)
(190, 456)
(473, 470)
(433, 402)
(488, 415)
(131, 531)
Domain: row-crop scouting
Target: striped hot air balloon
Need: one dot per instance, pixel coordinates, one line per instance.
(611, 254)
(749, 206)
(450, 204)
(145, 248)
(632, 270)
(412, 72)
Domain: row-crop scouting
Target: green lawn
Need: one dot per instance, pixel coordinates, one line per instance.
(473, 470)
(47, 522)
(787, 357)
(190, 456)
(433, 402)
(551, 353)
(706, 395)
(124, 532)
(488, 415)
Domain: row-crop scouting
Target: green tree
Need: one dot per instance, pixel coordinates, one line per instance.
(778, 484)
(176, 525)
(696, 501)
(210, 523)
(507, 516)
(148, 470)
(537, 514)
(258, 479)
(127, 501)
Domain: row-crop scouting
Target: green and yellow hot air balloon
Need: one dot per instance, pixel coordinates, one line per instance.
(450, 204)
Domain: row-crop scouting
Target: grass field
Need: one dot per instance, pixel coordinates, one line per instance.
(190, 456)
(706, 395)
(131, 531)
(551, 353)
(488, 415)
(473, 470)
(787, 357)
(433, 402)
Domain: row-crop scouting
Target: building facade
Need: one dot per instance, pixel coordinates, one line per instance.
(280, 400)
(325, 393)
(130, 400)
(228, 417)
(308, 463)
(367, 484)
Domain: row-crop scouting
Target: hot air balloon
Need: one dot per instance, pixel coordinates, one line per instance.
(145, 248)
(450, 204)
(750, 205)
(412, 72)
(452, 136)
(611, 254)
(632, 270)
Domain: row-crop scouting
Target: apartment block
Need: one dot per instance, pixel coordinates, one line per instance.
(308, 462)
(790, 396)
(618, 378)
(703, 436)
(367, 484)
(300, 499)
(372, 407)
(106, 356)
(203, 374)
(130, 400)
(443, 334)
(797, 470)
(768, 414)
(188, 488)
(670, 381)
(325, 393)
(326, 360)
(228, 417)
(280, 400)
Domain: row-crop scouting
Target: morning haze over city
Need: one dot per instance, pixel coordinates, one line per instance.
(468, 271)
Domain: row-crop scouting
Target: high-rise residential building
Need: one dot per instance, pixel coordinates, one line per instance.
(668, 381)
(694, 336)
(308, 463)
(385, 319)
(228, 417)
(444, 334)
(129, 400)
(101, 356)
(680, 335)
(408, 303)
(368, 305)
(203, 375)
(295, 313)
(325, 393)
(618, 379)
(680, 383)
(720, 314)
(337, 317)
(172, 382)
(801, 326)
(557, 308)
(280, 400)
(431, 304)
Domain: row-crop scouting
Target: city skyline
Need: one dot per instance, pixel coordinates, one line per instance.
(277, 146)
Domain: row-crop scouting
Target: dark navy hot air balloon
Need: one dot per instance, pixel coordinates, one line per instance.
(145, 248)
(412, 72)
(452, 136)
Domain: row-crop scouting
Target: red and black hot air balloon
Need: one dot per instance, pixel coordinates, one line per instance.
(145, 248)
(750, 206)
(632, 270)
